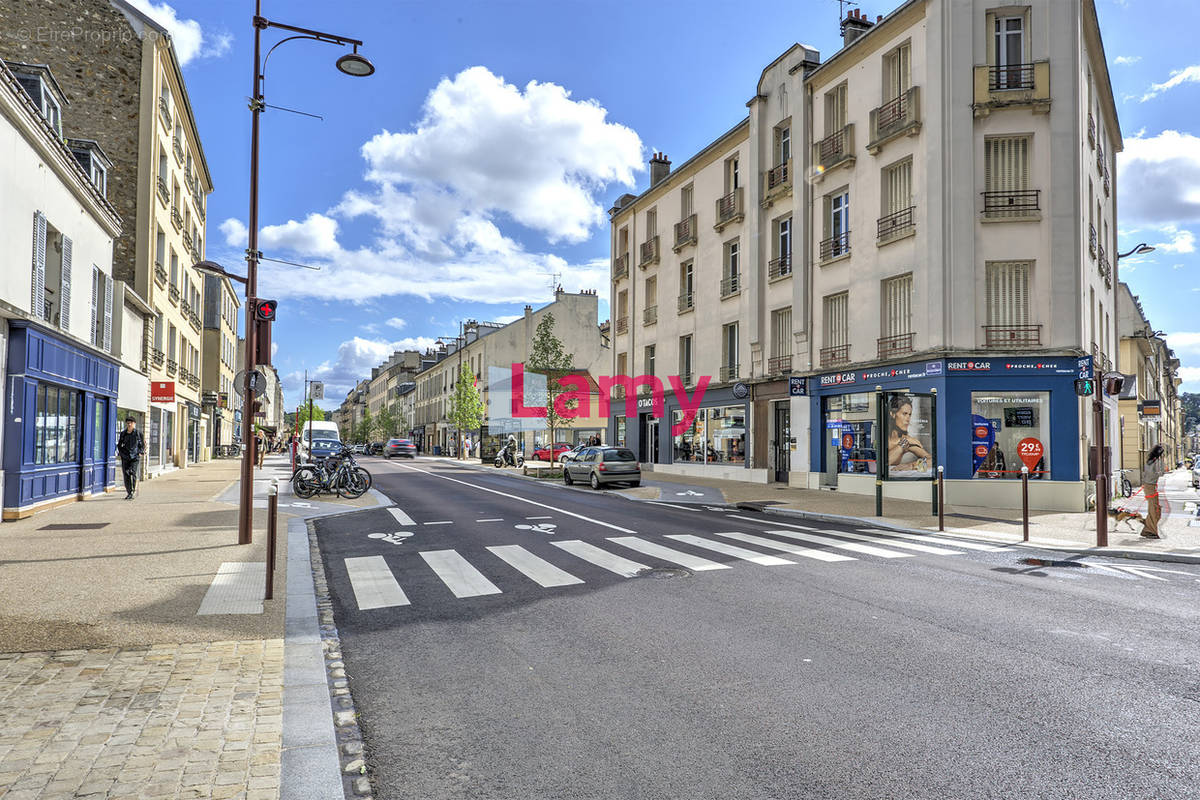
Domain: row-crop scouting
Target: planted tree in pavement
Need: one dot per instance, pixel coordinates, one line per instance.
(466, 403)
(547, 357)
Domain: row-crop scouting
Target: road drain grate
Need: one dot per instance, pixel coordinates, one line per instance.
(664, 572)
(1043, 562)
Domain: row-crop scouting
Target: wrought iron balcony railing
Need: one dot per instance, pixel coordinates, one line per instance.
(780, 267)
(835, 246)
(892, 346)
(1012, 335)
(1014, 203)
(893, 226)
(832, 356)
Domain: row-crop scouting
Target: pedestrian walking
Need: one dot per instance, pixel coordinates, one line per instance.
(1151, 473)
(130, 446)
(260, 447)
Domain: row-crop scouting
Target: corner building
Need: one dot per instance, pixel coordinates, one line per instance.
(946, 219)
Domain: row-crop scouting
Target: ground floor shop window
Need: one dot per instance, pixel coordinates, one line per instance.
(56, 425)
(153, 438)
(620, 440)
(100, 435)
(715, 436)
(850, 434)
(1011, 430)
(168, 437)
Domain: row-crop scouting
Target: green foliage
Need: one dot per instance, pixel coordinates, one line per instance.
(365, 427)
(547, 357)
(317, 414)
(466, 404)
(1191, 410)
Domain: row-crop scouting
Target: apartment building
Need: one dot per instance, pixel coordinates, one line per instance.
(127, 93)
(218, 359)
(349, 413)
(57, 293)
(954, 230)
(1151, 412)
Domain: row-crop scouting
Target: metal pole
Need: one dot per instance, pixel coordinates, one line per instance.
(246, 499)
(1101, 478)
(1024, 503)
(941, 495)
(933, 421)
(881, 452)
(272, 528)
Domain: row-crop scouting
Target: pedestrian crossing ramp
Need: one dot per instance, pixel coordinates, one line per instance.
(378, 582)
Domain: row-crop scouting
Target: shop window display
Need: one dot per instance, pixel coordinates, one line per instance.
(716, 436)
(849, 425)
(1011, 424)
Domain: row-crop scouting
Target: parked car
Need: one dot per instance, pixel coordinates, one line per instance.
(400, 447)
(323, 448)
(374, 448)
(599, 466)
(544, 453)
(358, 449)
(573, 453)
(1196, 474)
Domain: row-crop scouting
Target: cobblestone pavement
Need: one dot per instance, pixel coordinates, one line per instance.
(199, 720)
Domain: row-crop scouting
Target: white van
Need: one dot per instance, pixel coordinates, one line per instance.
(320, 431)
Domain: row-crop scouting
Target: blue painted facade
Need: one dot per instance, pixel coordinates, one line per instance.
(955, 380)
(39, 357)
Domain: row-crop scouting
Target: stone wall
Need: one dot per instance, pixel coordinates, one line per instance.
(96, 57)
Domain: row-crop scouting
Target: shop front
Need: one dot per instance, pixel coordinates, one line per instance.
(981, 419)
(160, 430)
(60, 422)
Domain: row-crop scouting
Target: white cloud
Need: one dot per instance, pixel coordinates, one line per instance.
(1179, 76)
(396, 322)
(1189, 374)
(1126, 60)
(235, 232)
(355, 359)
(1184, 341)
(1159, 178)
(189, 38)
(1182, 241)
(315, 236)
(274, 349)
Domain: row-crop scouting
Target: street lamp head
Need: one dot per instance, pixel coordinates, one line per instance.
(355, 65)
(1142, 249)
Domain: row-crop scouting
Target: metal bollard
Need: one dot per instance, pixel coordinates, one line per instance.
(1024, 504)
(272, 513)
(878, 497)
(941, 496)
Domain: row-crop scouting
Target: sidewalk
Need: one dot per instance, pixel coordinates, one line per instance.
(111, 683)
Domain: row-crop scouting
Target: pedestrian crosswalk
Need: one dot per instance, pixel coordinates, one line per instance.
(375, 585)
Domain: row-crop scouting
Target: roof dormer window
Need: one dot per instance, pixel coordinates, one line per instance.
(38, 82)
(93, 160)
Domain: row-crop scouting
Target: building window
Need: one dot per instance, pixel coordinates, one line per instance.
(835, 109)
(837, 319)
(731, 175)
(897, 306)
(897, 72)
(1014, 416)
(783, 144)
(685, 360)
(98, 309)
(1007, 293)
(51, 111)
(731, 276)
(729, 352)
(897, 187)
(651, 223)
(685, 202)
(837, 225)
(851, 435)
(56, 425)
(716, 436)
(174, 268)
(648, 360)
(1006, 164)
(781, 337)
(1009, 46)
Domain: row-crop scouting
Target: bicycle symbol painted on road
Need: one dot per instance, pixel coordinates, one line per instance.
(541, 527)
(391, 538)
(690, 493)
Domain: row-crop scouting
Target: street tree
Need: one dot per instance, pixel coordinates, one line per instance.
(466, 403)
(365, 427)
(547, 357)
(318, 415)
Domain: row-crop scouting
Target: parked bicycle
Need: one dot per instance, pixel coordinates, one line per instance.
(336, 473)
(1124, 483)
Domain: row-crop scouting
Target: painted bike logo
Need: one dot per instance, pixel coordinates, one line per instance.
(391, 538)
(541, 527)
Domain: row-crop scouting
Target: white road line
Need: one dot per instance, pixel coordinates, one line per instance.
(401, 517)
(773, 522)
(458, 574)
(1140, 573)
(495, 519)
(601, 558)
(439, 522)
(539, 518)
(522, 500)
(373, 583)
(671, 505)
(533, 567)
(920, 537)
(920, 548)
(667, 554)
(844, 545)
(730, 550)
(819, 555)
(237, 588)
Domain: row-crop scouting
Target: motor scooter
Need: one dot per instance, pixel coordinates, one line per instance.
(505, 458)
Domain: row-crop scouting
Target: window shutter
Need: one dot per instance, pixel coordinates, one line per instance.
(1008, 293)
(95, 303)
(836, 321)
(64, 312)
(38, 301)
(1006, 164)
(108, 300)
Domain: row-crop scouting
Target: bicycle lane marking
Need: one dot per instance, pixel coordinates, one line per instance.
(520, 499)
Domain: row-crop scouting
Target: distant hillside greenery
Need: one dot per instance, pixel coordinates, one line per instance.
(1191, 410)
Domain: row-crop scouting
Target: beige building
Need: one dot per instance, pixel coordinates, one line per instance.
(219, 359)
(1151, 412)
(882, 222)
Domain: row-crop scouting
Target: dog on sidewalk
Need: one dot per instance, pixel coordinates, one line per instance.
(1119, 515)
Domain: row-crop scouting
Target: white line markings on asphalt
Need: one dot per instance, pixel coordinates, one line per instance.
(494, 519)
(373, 583)
(537, 569)
(521, 499)
(237, 588)
(730, 550)
(957, 542)
(457, 573)
(829, 541)
(672, 505)
(758, 521)
(601, 558)
(439, 522)
(920, 548)
(401, 517)
(807, 552)
(539, 518)
(667, 554)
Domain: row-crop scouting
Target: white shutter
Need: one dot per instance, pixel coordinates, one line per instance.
(897, 188)
(64, 312)
(782, 333)
(1006, 164)
(836, 320)
(38, 301)
(1008, 293)
(108, 300)
(96, 278)
(897, 306)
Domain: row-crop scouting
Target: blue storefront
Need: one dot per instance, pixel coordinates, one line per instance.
(60, 420)
(982, 419)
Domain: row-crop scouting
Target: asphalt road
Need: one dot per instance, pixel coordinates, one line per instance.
(528, 671)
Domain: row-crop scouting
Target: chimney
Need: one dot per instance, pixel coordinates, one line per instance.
(660, 168)
(854, 25)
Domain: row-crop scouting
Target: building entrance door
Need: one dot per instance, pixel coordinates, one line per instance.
(652, 441)
(783, 441)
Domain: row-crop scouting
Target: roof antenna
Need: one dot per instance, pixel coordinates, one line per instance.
(842, 5)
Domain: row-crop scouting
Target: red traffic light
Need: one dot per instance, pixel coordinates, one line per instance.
(264, 310)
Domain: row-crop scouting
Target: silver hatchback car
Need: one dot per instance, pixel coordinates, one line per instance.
(598, 466)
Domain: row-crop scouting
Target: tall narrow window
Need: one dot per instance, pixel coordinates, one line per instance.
(897, 187)
(781, 340)
(1009, 45)
(731, 279)
(837, 319)
(897, 72)
(1007, 293)
(732, 175)
(837, 226)
(729, 352)
(648, 360)
(783, 144)
(685, 359)
(835, 109)
(897, 308)
(1006, 177)
(651, 223)
(685, 202)
(686, 277)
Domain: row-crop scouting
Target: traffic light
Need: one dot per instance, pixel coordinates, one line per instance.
(264, 310)
(1114, 382)
(1085, 386)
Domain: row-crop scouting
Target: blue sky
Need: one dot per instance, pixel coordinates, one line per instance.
(481, 157)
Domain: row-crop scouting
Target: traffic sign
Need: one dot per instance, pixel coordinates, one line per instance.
(258, 383)
(264, 310)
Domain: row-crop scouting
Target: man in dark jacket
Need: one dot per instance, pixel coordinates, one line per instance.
(130, 446)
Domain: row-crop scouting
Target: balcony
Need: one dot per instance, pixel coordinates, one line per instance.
(1012, 86)
(896, 226)
(1012, 335)
(895, 118)
(156, 357)
(685, 302)
(172, 366)
(777, 181)
(650, 315)
(835, 247)
(177, 146)
(621, 266)
(185, 308)
(1091, 130)
(623, 324)
(649, 252)
(779, 267)
(160, 274)
(730, 286)
(1107, 186)
(685, 232)
(835, 150)
(832, 356)
(729, 372)
(194, 381)
(194, 318)
(164, 111)
(1022, 204)
(1105, 269)
(164, 193)
(1091, 240)
(729, 210)
(1100, 158)
(176, 217)
(173, 293)
(779, 364)
(892, 346)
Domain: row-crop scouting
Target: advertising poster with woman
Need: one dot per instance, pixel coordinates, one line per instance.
(908, 420)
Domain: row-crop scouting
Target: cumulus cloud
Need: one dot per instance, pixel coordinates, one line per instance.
(315, 236)
(190, 40)
(355, 359)
(395, 322)
(1179, 76)
(1189, 374)
(1159, 178)
(1126, 60)
(235, 232)
(1184, 341)
(1182, 241)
